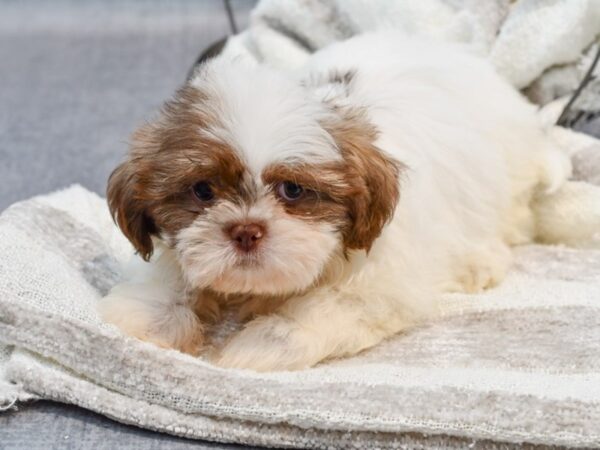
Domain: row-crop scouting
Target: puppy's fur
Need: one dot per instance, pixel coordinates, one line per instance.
(419, 166)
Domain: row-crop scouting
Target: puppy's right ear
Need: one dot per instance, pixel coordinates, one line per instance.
(129, 210)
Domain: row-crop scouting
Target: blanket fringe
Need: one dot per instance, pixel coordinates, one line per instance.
(9, 395)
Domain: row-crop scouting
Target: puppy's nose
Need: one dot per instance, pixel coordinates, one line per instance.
(246, 236)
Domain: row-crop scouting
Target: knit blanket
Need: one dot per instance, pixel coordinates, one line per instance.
(543, 47)
(518, 364)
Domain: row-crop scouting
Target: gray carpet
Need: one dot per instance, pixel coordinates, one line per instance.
(75, 79)
(47, 425)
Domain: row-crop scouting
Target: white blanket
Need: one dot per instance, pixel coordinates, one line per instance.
(517, 364)
(520, 363)
(544, 46)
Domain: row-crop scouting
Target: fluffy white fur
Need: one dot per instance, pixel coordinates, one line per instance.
(475, 156)
(264, 115)
(292, 257)
(152, 305)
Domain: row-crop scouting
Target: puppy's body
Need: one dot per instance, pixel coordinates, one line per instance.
(371, 124)
(474, 151)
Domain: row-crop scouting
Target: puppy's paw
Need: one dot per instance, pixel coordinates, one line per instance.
(167, 325)
(482, 269)
(270, 344)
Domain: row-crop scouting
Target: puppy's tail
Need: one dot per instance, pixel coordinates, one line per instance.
(566, 212)
(570, 215)
(555, 170)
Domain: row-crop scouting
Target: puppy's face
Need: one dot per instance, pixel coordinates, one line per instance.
(258, 187)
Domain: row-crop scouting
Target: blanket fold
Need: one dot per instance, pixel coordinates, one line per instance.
(540, 46)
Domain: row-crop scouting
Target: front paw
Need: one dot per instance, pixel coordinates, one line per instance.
(482, 269)
(166, 325)
(271, 344)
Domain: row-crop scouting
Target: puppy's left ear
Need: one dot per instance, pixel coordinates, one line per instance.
(372, 177)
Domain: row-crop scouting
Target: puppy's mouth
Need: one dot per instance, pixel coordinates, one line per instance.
(251, 260)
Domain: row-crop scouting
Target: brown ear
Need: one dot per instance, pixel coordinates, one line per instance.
(128, 210)
(373, 178)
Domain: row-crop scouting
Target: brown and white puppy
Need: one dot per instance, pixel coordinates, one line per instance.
(329, 207)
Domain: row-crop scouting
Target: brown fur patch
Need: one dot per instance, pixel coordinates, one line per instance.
(150, 193)
(128, 210)
(211, 307)
(358, 194)
(372, 176)
(325, 185)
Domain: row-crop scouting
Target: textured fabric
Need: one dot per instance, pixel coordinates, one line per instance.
(284, 32)
(541, 46)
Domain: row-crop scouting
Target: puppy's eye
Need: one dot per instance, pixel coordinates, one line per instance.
(203, 192)
(289, 191)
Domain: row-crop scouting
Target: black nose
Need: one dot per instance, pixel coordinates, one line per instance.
(246, 236)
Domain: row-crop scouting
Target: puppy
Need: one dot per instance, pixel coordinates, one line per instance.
(327, 207)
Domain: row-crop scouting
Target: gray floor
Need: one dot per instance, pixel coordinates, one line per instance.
(47, 425)
(76, 76)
